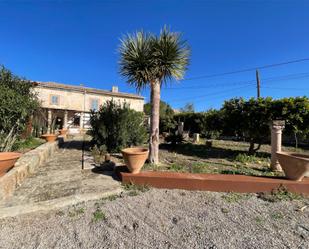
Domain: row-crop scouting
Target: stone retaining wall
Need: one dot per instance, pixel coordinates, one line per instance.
(25, 166)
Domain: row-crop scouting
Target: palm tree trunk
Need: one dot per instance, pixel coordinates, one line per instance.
(154, 122)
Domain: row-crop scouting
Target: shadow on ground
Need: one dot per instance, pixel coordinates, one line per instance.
(110, 169)
(76, 145)
(202, 151)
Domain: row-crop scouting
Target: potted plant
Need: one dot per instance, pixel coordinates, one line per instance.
(7, 161)
(51, 136)
(135, 158)
(63, 131)
(294, 165)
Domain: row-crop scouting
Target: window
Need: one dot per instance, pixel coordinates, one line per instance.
(76, 120)
(54, 100)
(94, 104)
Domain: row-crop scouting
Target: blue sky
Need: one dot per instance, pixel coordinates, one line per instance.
(76, 42)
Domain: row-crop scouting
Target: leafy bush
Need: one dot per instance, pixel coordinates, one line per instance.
(117, 126)
(18, 102)
(193, 122)
(174, 139)
(212, 124)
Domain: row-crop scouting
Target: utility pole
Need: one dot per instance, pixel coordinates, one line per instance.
(258, 85)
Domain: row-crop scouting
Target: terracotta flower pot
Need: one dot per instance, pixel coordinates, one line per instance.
(63, 132)
(135, 158)
(294, 165)
(49, 137)
(7, 161)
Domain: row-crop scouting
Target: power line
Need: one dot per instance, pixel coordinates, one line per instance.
(286, 88)
(249, 83)
(270, 79)
(210, 94)
(210, 85)
(247, 69)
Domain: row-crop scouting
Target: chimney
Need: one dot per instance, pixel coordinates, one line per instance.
(115, 89)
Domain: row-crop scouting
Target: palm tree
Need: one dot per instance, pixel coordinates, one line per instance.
(149, 60)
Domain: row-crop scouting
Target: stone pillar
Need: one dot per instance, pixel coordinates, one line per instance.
(49, 120)
(81, 122)
(196, 138)
(180, 128)
(276, 141)
(65, 120)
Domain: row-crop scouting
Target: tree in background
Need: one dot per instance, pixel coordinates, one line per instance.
(193, 121)
(189, 107)
(212, 124)
(251, 119)
(295, 111)
(17, 103)
(248, 120)
(149, 60)
(167, 121)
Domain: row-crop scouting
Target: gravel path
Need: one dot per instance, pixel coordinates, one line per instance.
(164, 219)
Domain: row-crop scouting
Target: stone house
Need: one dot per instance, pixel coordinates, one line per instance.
(68, 106)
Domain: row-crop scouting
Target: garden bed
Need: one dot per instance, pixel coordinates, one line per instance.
(27, 144)
(224, 157)
(214, 182)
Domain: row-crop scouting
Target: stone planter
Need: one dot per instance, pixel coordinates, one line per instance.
(294, 165)
(50, 137)
(135, 158)
(7, 161)
(63, 132)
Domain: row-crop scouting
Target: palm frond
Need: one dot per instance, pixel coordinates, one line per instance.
(135, 58)
(145, 57)
(171, 54)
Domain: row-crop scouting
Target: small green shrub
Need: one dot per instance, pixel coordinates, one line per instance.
(98, 153)
(235, 197)
(112, 197)
(280, 194)
(98, 215)
(277, 216)
(134, 189)
(76, 211)
(117, 126)
(258, 220)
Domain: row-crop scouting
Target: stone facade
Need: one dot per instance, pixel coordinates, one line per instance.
(71, 105)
